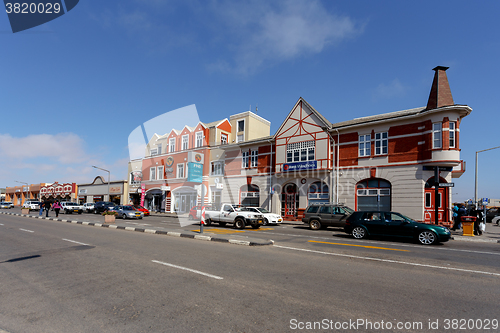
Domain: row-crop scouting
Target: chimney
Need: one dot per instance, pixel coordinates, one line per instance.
(440, 91)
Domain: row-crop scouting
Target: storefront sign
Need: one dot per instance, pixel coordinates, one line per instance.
(196, 157)
(56, 189)
(195, 172)
(136, 176)
(309, 165)
(143, 193)
(115, 189)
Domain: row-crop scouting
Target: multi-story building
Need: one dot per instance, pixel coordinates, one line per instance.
(390, 161)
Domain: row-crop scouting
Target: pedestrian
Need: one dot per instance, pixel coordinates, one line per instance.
(455, 214)
(56, 207)
(41, 208)
(478, 213)
(46, 206)
(458, 222)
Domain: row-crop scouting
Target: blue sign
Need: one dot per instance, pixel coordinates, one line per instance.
(485, 201)
(195, 172)
(309, 165)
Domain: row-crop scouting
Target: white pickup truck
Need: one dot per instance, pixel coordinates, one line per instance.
(233, 214)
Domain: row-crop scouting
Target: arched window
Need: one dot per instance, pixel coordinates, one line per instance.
(318, 193)
(249, 195)
(373, 194)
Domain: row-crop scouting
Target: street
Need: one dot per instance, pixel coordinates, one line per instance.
(63, 277)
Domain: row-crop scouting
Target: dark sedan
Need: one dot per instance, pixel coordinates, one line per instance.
(376, 223)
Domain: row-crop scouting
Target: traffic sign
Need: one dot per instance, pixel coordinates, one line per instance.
(485, 201)
(446, 184)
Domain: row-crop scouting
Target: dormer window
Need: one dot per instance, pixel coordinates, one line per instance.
(185, 142)
(171, 145)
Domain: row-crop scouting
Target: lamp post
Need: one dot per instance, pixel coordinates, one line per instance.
(109, 173)
(475, 187)
(22, 193)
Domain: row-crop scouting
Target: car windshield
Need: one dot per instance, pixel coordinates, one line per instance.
(348, 210)
(263, 210)
(128, 208)
(70, 204)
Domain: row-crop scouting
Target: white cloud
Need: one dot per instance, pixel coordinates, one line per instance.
(393, 89)
(267, 34)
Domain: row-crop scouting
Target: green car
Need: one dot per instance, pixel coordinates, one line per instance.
(376, 223)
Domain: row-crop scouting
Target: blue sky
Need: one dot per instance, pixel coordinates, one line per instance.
(73, 89)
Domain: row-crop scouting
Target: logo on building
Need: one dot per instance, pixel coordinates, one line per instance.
(309, 165)
(169, 161)
(197, 158)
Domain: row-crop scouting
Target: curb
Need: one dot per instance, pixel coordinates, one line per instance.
(188, 234)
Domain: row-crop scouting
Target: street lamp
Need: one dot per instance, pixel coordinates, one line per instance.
(109, 173)
(475, 187)
(22, 193)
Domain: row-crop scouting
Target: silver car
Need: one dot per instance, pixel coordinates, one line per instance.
(127, 212)
(6, 204)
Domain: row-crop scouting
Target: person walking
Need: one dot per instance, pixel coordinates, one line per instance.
(478, 213)
(458, 222)
(41, 208)
(56, 207)
(46, 206)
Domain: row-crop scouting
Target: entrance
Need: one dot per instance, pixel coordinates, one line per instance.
(289, 200)
(184, 201)
(430, 202)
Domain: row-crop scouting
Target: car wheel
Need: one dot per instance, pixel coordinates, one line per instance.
(124, 216)
(427, 237)
(222, 224)
(239, 224)
(266, 221)
(208, 222)
(314, 224)
(358, 233)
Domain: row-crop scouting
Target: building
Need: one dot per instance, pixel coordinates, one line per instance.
(391, 161)
(19, 194)
(99, 190)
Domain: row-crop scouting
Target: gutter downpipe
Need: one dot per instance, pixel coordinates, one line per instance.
(337, 168)
(327, 130)
(271, 178)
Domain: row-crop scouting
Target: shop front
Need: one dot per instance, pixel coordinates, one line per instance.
(100, 190)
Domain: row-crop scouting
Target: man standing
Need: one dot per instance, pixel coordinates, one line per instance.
(46, 206)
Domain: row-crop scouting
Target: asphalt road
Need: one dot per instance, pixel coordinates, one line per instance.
(62, 277)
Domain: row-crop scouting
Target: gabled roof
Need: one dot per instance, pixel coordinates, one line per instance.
(216, 123)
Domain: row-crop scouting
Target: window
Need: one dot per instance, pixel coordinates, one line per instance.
(161, 171)
(318, 193)
(381, 143)
(452, 134)
(254, 157)
(180, 170)
(171, 145)
(185, 142)
(217, 168)
(300, 151)
(364, 145)
(250, 195)
(154, 151)
(152, 173)
(436, 135)
(239, 138)
(373, 194)
(241, 125)
(199, 139)
(223, 139)
(244, 161)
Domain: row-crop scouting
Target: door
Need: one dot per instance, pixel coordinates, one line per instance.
(397, 225)
(430, 205)
(375, 223)
(289, 200)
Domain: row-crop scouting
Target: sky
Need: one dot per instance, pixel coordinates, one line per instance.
(72, 90)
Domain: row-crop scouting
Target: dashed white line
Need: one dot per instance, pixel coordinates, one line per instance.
(388, 260)
(188, 269)
(72, 241)
(26, 230)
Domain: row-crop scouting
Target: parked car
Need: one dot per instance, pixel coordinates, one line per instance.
(233, 214)
(71, 207)
(88, 207)
(269, 218)
(319, 216)
(32, 205)
(379, 223)
(491, 213)
(6, 204)
(127, 212)
(496, 220)
(102, 206)
(143, 209)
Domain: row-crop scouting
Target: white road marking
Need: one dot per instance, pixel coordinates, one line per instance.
(188, 269)
(72, 241)
(26, 230)
(433, 248)
(1, 223)
(387, 260)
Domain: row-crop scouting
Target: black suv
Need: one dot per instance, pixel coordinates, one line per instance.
(102, 206)
(326, 215)
(491, 213)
